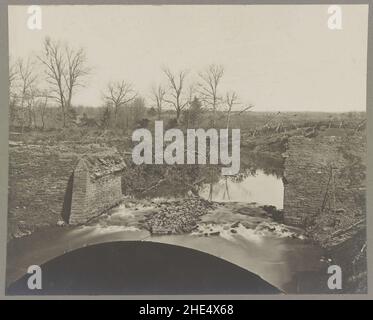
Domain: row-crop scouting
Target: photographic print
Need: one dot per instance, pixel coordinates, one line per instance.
(187, 149)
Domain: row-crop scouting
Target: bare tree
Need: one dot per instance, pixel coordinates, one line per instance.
(27, 78)
(76, 70)
(231, 101)
(55, 64)
(42, 107)
(208, 88)
(158, 95)
(13, 73)
(13, 77)
(65, 69)
(176, 95)
(118, 94)
(31, 104)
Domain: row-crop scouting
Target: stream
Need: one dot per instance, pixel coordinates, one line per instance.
(238, 233)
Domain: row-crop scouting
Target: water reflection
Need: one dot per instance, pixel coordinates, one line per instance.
(260, 188)
(268, 162)
(148, 181)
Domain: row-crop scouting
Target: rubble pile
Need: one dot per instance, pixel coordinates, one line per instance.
(178, 216)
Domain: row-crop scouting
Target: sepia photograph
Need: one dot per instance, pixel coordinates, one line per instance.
(187, 150)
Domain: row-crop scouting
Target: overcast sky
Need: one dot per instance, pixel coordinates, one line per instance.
(275, 57)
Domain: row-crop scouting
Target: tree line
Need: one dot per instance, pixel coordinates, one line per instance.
(58, 71)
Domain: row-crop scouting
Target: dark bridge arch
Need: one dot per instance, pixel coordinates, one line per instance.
(139, 267)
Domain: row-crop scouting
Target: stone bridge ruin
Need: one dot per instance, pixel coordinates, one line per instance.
(322, 178)
(47, 182)
(95, 187)
(79, 182)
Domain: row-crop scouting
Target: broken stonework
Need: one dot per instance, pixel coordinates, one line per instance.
(96, 186)
(41, 181)
(324, 178)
